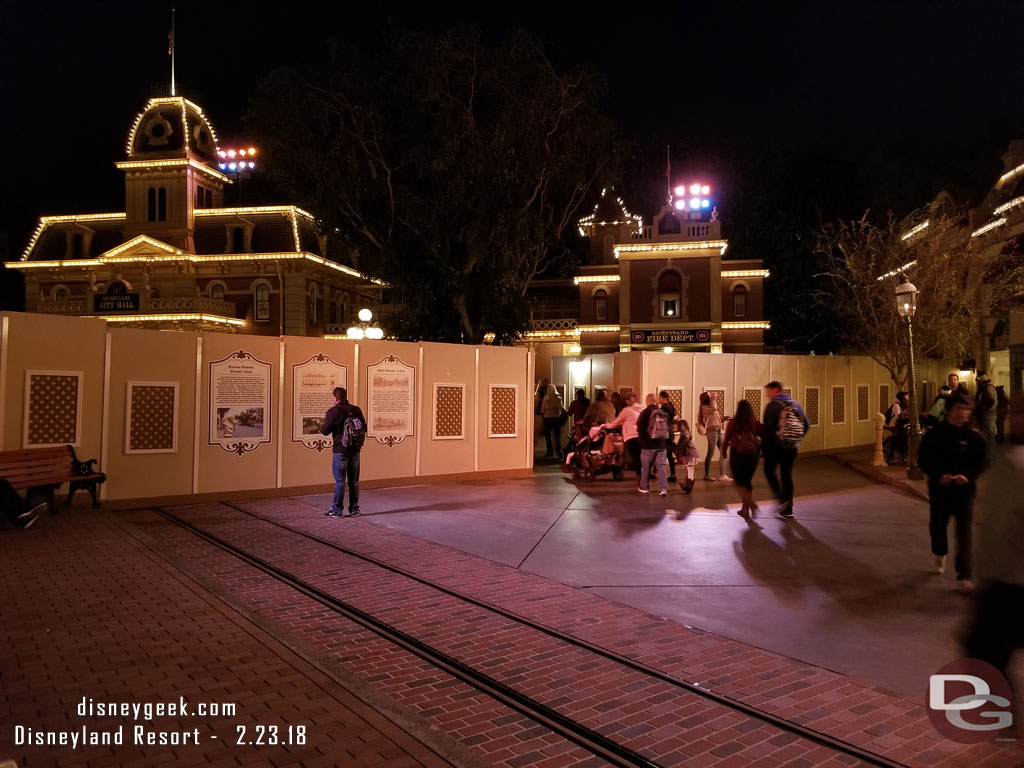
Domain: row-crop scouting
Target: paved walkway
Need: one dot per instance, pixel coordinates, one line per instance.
(830, 620)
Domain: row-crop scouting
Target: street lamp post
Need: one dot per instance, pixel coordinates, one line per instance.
(906, 306)
(364, 329)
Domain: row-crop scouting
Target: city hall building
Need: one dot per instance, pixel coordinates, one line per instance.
(177, 259)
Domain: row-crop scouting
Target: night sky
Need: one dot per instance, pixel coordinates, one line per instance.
(918, 89)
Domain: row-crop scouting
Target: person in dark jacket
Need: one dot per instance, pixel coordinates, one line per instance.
(345, 461)
(780, 455)
(670, 410)
(651, 450)
(953, 455)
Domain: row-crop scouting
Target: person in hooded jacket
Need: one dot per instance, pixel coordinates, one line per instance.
(780, 455)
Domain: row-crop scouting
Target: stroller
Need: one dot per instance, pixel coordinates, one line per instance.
(587, 456)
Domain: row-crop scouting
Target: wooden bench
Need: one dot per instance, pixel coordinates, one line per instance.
(40, 471)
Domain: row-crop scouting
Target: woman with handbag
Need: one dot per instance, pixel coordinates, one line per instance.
(709, 423)
(743, 438)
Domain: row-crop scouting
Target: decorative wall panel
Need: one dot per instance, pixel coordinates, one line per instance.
(449, 409)
(863, 402)
(151, 421)
(839, 405)
(53, 408)
(502, 417)
(811, 404)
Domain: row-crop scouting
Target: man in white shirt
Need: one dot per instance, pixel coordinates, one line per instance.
(627, 419)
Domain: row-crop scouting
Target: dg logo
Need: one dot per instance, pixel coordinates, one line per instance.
(969, 702)
(637, 337)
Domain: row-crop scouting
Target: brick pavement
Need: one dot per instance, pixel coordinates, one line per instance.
(89, 613)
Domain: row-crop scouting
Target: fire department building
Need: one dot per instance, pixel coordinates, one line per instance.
(176, 259)
(659, 286)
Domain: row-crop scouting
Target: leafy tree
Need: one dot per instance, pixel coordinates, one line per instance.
(959, 282)
(454, 170)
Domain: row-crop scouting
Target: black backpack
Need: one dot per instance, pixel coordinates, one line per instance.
(353, 431)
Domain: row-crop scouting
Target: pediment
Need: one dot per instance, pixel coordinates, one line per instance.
(143, 247)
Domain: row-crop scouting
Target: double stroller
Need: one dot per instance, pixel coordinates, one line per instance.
(594, 452)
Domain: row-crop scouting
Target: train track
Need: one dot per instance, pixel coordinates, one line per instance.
(605, 747)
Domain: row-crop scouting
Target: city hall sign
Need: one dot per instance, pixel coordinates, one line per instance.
(671, 336)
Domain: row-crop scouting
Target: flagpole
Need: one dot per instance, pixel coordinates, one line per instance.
(170, 50)
(668, 172)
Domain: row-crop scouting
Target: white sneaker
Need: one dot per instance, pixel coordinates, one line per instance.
(940, 564)
(642, 490)
(725, 478)
(663, 493)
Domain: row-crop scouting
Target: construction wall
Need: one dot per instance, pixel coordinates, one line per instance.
(840, 394)
(179, 414)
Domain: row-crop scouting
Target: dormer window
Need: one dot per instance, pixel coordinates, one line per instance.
(238, 240)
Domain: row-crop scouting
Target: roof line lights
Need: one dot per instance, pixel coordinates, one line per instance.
(174, 162)
(746, 325)
(731, 273)
(1009, 175)
(988, 227)
(672, 247)
(285, 209)
(897, 271)
(596, 279)
(45, 221)
(630, 218)
(919, 228)
(1007, 206)
(181, 316)
(597, 329)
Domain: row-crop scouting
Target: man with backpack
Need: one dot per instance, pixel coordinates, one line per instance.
(347, 426)
(653, 428)
(785, 424)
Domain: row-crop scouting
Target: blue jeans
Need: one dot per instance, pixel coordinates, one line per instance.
(345, 468)
(657, 456)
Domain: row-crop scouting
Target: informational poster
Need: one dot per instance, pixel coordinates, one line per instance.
(239, 403)
(313, 384)
(390, 401)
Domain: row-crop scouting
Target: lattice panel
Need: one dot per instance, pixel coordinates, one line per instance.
(883, 398)
(151, 422)
(839, 405)
(448, 402)
(811, 404)
(675, 396)
(624, 390)
(503, 412)
(52, 408)
(753, 396)
(718, 399)
(863, 404)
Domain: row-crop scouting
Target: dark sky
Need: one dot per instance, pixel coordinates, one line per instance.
(914, 85)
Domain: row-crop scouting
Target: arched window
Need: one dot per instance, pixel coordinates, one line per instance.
(600, 304)
(314, 294)
(217, 291)
(61, 293)
(151, 204)
(261, 296)
(162, 204)
(238, 240)
(609, 249)
(739, 301)
(670, 288)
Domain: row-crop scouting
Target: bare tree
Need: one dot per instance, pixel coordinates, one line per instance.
(959, 285)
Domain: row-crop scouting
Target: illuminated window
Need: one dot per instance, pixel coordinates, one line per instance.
(151, 204)
(261, 296)
(162, 204)
(670, 287)
(601, 304)
(739, 301)
(217, 291)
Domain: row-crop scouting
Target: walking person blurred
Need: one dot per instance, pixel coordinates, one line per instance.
(785, 424)
(601, 411)
(710, 423)
(985, 405)
(953, 455)
(687, 455)
(653, 431)
(997, 630)
(742, 443)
